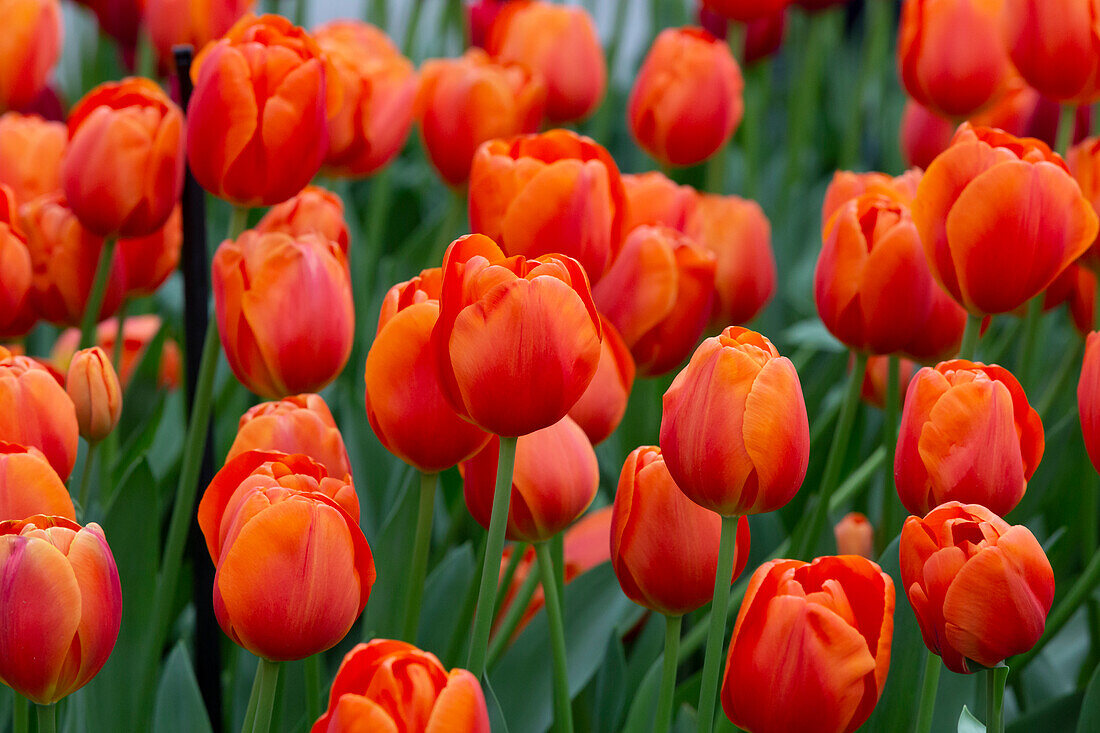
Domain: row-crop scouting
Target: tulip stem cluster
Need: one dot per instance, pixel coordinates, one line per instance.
(668, 674)
(421, 544)
(563, 709)
(95, 297)
(47, 718)
(512, 616)
(932, 668)
(712, 661)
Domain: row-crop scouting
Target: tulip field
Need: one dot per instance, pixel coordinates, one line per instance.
(516, 366)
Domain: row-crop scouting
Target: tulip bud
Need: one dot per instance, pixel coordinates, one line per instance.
(93, 387)
(313, 210)
(378, 87)
(653, 198)
(298, 424)
(764, 37)
(664, 547)
(873, 389)
(855, 536)
(549, 193)
(30, 49)
(36, 412)
(122, 171)
(30, 155)
(967, 434)
(734, 433)
(464, 102)
(811, 647)
(554, 480)
(979, 587)
(194, 22)
(517, 341)
(150, 260)
(17, 314)
(1053, 45)
(293, 568)
(393, 686)
(1088, 398)
(29, 485)
(603, 404)
(277, 342)
(686, 100)
(62, 606)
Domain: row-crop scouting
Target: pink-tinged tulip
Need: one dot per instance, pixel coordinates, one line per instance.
(94, 389)
(29, 49)
(30, 155)
(61, 606)
(734, 433)
(967, 434)
(36, 412)
(29, 485)
(979, 587)
(298, 424)
(17, 313)
(603, 404)
(313, 210)
(855, 536)
(653, 198)
(1088, 398)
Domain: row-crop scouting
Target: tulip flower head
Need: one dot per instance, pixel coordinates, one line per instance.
(855, 536)
(138, 334)
(601, 408)
(746, 10)
(1088, 398)
(150, 260)
(94, 389)
(1083, 160)
(30, 154)
(314, 210)
(297, 424)
(847, 185)
(1053, 45)
(655, 199)
(17, 314)
(36, 412)
(195, 22)
(29, 485)
(29, 49)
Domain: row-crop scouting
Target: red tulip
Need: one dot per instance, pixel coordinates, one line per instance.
(1053, 44)
(1088, 398)
(847, 185)
(150, 260)
(746, 10)
(603, 404)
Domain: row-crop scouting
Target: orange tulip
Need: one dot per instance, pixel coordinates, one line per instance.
(746, 10)
(298, 424)
(257, 127)
(967, 434)
(1084, 163)
(293, 568)
(314, 210)
(29, 49)
(29, 485)
(1077, 287)
(873, 389)
(603, 404)
(517, 341)
(378, 86)
(848, 185)
(36, 412)
(811, 647)
(942, 333)
(277, 342)
(93, 387)
(138, 333)
(686, 100)
(62, 605)
(855, 536)
(549, 193)
(393, 686)
(559, 43)
(554, 480)
(465, 101)
(65, 256)
(653, 198)
(406, 405)
(739, 235)
(195, 22)
(122, 171)
(1088, 398)
(150, 260)
(30, 154)
(951, 54)
(979, 587)
(664, 547)
(659, 294)
(734, 432)
(17, 314)
(1000, 217)
(1053, 44)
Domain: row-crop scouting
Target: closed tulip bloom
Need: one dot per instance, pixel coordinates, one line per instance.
(138, 333)
(686, 100)
(848, 185)
(1053, 44)
(293, 568)
(763, 37)
(658, 294)
(61, 607)
(942, 333)
(811, 647)
(36, 412)
(814, 6)
(746, 10)
(1088, 398)
(664, 547)
(406, 405)
(65, 256)
(560, 44)
(393, 686)
(979, 587)
(1000, 217)
(738, 233)
(1084, 163)
(1076, 287)
(29, 49)
(93, 387)
(734, 432)
(17, 314)
(277, 342)
(602, 406)
(29, 485)
(873, 389)
(466, 101)
(378, 86)
(554, 480)
(549, 193)
(195, 22)
(298, 424)
(855, 536)
(967, 434)
(257, 128)
(30, 154)
(314, 210)
(655, 199)
(951, 54)
(150, 260)
(517, 341)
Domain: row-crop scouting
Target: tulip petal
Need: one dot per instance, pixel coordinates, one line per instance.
(777, 435)
(460, 708)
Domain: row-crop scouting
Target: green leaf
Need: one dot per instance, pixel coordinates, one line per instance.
(393, 552)
(1059, 713)
(447, 582)
(1090, 708)
(497, 722)
(609, 691)
(968, 723)
(179, 706)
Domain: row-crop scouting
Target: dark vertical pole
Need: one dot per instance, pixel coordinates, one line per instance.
(196, 300)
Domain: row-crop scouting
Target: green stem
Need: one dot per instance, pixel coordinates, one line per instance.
(1030, 340)
(758, 89)
(1067, 119)
(932, 667)
(708, 691)
(267, 677)
(410, 27)
(668, 674)
(848, 490)
(518, 551)
(238, 221)
(512, 617)
(422, 542)
(1070, 361)
(116, 350)
(253, 699)
(20, 714)
(47, 718)
(461, 633)
(557, 553)
(1062, 612)
(716, 170)
(892, 513)
(995, 698)
(313, 687)
(494, 549)
(968, 349)
(563, 709)
(89, 457)
(95, 298)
